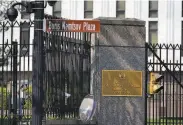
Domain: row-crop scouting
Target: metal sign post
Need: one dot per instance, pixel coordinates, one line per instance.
(37, 86)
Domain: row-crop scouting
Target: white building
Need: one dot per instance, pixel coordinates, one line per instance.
(163, 17)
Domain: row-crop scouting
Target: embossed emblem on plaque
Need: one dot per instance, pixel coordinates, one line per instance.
(121, 83)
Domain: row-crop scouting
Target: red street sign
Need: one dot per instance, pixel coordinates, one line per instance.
(73, 25)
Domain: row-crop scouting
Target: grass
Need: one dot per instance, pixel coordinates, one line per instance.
(27, 119)
(167, 121)
(6, 121)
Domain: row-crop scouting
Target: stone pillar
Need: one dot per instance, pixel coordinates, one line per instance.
(119, 46)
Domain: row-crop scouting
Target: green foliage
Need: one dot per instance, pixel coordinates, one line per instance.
(28, 101)
(28, 90)
(3, 98)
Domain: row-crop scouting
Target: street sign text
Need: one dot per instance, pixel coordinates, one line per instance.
(73, 25)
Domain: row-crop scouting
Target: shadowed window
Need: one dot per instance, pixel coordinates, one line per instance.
(57, 9)
(153, 32)
(88, 9)
(153, 9)
(120, 9)
(182, 8)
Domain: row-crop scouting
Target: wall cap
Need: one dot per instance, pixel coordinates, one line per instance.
(120, 21)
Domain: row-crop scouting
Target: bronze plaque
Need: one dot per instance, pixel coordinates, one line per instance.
(121, 83)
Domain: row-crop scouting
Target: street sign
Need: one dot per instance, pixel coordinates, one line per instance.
(121, 83)
(72, 25)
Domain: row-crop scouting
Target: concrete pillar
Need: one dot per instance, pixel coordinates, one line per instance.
(130, 35)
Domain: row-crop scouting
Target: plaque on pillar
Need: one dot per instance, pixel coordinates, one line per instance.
(121, 83)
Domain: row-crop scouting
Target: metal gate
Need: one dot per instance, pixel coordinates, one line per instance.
(66, 75)
(165, 107)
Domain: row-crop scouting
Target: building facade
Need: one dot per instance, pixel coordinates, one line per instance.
(164, 18)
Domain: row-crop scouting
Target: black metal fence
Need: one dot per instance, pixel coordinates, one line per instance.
(166, 107)
(15, 75)
(66, 74)
(67, 77)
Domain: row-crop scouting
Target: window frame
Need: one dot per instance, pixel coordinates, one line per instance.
(88, 10)
(57, 11)
(181, 49)
(120, 10)
(182, 8)
(153, 10)
(152, 30)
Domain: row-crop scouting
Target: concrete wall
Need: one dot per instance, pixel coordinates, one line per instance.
(130, 35)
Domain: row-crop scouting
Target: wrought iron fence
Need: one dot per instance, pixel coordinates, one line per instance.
(16, 77)
(66, 74)
(15, 74)
(166, 107)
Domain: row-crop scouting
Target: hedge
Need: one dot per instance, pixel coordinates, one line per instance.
(28, 101)
(4, 98)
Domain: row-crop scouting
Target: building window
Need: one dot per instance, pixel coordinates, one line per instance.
(24, 38)
(120, 9)
(182, 36)
(153, 9)
(153, 32)
(57, 9)
(182, 8)
(24, 14)
(88, 9)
